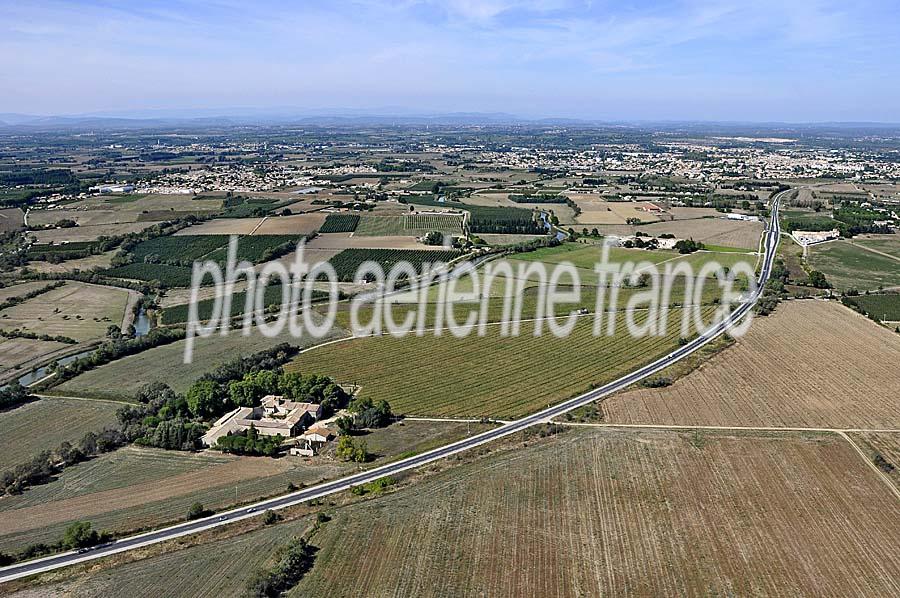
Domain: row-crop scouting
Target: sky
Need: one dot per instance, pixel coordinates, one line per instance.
(749, 60)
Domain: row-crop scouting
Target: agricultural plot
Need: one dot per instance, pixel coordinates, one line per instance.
(408, 224)
(492, 375)
(714, 231)
(340, 223)
(849, 267)
(77, 310)
(883, 307)
(340, 241)
(11, 219)
(294, 225)
(88, 233)
(121, 379)
(222, 226)
(811, 364)
(650, 513)
(17, 353)
(169, 276)
(346, 262)
(883, 448)
(447, 223)
(179, 248)
(217, 569)
(889, 244)
(257, 248)
(132, 489)
(100, 261)
(492, 219)
(33, 427)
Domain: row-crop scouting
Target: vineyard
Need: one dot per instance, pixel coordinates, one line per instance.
(790, 369)
(182, 250)
(409, 224)
(613, 512)
(167, 276)
(348, 261)
(884, 308)
(493, 219)
(491, 376)
(178, 249)
(339, 223)
(449, 223)
(272, 299)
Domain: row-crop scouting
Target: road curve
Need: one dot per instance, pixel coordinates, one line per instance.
(773, 232)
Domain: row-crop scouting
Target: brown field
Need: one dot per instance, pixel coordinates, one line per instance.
(300, 224)
(649, 513)
(83, 217)
(493, 198)
(596, 211)
(77, 310)
(885, 444)
(222, 226)
(88, 232)
(296, 224)
(811, 364)
(713, 231)
(691, 213)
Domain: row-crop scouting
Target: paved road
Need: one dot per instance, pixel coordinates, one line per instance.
(61, 560)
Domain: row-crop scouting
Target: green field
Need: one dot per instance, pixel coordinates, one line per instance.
(121, 379)
(849, 267)
(43, 424)
(493, 376)
(339, 223)
(889, 244)
(408, 224)
(884, 308)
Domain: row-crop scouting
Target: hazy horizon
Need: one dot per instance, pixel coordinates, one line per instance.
(808, 61)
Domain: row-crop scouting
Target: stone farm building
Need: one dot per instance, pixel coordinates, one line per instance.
(275, 415)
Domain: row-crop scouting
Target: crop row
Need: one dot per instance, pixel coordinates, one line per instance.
(348, 261)
(339, 223)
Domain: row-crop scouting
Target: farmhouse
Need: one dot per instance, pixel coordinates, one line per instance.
(275, 415)
(312, 440)
(743, 217)
(803, 237)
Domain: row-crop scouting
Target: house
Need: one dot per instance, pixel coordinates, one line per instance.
(311, 441)
(275, 415)
(744, 217)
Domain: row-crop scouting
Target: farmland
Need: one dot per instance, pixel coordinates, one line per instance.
(348, 261)
(489, 376)
(714, 231)
(595, 513)
(135, 488)
(882, 307)
(76, 310)
(122, 378)
(339, 223)
(218, 569)
(170, 276)
(492, 219)
(27, 430)
(408, 224)
(17, 353)
(182, 249)
(849, 267)
(813, 364)
(889, 244)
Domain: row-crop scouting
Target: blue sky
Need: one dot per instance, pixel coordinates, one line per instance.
(786, 60)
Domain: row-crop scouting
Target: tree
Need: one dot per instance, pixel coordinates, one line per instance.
(349, 450)
(113, 332)
(80, 535)
(197, 511)
(817, 279)
(201, 398)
